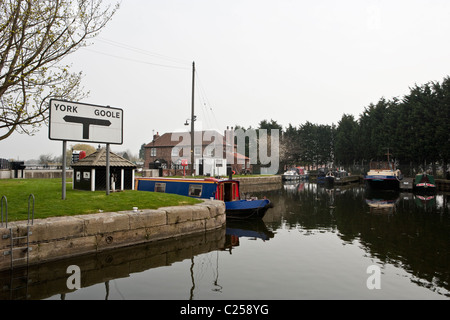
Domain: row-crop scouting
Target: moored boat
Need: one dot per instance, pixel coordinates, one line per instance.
(329, 177)
(383, 175)
(424, 183)
(247, 209)
(226, 190)
(291, 175)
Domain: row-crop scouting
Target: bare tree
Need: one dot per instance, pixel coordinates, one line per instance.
(35, 35)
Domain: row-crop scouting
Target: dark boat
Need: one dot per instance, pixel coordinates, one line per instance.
(329, 177)
(226, 190)
(424, 183)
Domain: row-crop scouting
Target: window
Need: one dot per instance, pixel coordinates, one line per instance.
(195, 190)
(198, 151)
(175, 151)
(209, 152)
(160, 187)
(153, 152)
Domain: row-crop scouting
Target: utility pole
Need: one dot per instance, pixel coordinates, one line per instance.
(192, 119)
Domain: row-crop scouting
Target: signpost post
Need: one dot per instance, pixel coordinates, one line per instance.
(74, 121)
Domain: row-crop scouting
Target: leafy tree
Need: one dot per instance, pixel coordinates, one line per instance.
(35, 36)
(46, 159)
(308, 143)
(346, 147)
(290, 152)
(442, 118)
(264, 124)
(375, 130)
(142, 151)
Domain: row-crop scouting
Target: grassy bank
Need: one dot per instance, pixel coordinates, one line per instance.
(49, 203)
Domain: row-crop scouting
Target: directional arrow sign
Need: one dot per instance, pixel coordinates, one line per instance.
(86, 122)
(74, 121)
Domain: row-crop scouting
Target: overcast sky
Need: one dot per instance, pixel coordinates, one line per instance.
(290, 61)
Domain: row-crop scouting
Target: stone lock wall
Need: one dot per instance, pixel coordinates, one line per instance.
(62, 237)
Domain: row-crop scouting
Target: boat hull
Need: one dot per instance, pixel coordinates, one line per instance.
(424, 184)
(290, 177)
(383, 182)
(224, 190)
(247, 209)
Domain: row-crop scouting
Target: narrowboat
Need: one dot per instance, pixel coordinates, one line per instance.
(424, 183)
(226, 190)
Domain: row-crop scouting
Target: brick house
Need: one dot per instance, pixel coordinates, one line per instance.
(210, 153)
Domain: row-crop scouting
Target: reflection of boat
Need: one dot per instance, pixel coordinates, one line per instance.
(291, 175)
(382, 202)
(424, 183)
(226, 190)
(254, 229)
(425, 200)
(381, 206)
(383, 175)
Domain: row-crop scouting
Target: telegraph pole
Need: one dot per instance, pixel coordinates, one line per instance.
(192, 118)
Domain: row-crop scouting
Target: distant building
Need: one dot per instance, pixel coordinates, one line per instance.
(210, 153)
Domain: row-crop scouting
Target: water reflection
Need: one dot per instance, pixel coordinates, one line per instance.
(381, 202)
(49, 279)
(275, 257)
(252, 229)
(410, 231)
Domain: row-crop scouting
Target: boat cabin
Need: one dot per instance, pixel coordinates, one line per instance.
(381, 165)
(218, 189)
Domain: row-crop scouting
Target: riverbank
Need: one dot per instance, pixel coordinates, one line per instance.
(62, 237)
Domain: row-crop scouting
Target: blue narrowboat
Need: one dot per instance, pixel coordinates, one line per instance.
(226, 190)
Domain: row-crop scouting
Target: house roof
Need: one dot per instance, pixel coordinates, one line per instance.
(98, 159)
(183, 139)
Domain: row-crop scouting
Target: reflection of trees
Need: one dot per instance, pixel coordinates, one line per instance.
(410, 237)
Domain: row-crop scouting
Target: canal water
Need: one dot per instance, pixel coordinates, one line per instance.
(317, 242)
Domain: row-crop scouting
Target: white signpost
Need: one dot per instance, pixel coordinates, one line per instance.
(74, 121)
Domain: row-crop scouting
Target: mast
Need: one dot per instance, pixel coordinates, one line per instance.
(192, 119)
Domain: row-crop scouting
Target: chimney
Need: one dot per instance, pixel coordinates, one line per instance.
(156, 136)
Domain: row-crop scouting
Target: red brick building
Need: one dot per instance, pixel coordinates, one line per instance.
(210, 149)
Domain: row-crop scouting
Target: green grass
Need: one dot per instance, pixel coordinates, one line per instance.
(48, 199)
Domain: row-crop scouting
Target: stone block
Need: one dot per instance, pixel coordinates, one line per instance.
(47, 251)
(200, 213)
(5, 240)
(105, 222)
(120, 238)
(178, 214)
(147, 218)
(53, 229)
